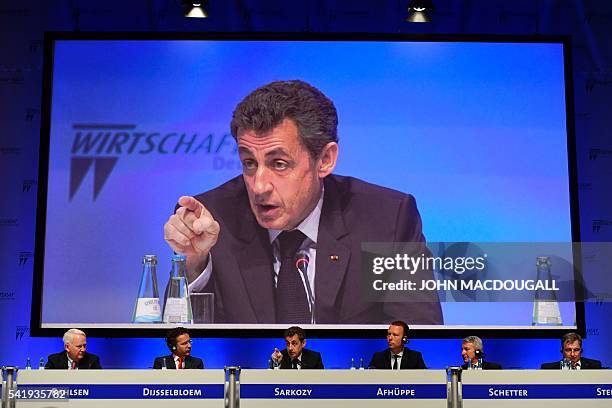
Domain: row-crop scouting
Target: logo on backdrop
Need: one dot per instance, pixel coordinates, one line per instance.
(27, 185)
(7, 295)
(598, 224)
(97, 147)
(595, 153)
(20, 331)
(9, 222)
(23, 257)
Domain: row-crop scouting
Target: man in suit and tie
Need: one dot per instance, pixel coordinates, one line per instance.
(571, 349)
(179, 343)
(74, 356)
(242, 239)
(295, 356)
(473, 355)
(397, 356)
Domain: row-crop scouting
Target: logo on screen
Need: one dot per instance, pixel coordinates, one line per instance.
(97, 147)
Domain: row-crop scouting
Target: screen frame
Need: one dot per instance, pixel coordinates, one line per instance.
(36, 326)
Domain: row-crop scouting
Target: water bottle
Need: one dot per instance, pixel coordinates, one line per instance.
(276, 364)
(566, 364)
(361, 367)
(470, 366)
(41, 364)
(545, 306)
(479, 367)
(147, 308)
(177, 305)
(164, 365)
(353, 364)
(28, 364)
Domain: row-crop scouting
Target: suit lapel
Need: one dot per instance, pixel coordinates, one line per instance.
(64, 360)
(332, 255)
(306, 360)
(405, 356)
(170, 362)
(255, 262)
(388, 358)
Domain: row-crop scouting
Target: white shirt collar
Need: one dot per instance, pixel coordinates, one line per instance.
(70, 362)
(310, 225)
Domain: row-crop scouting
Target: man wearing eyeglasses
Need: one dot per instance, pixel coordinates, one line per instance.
(571, 348)
(179, 343)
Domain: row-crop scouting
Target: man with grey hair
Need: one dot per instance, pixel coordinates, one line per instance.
(282, 242)
(571, 349)
(74, 356)
(473, 355)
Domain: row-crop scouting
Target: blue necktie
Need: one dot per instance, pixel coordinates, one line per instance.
(291, 299)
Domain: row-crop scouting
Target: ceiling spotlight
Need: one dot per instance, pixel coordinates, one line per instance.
(195, 9)
(418, 11)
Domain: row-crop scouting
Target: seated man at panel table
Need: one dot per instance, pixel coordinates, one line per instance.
(74, 356)
(571, 349)
(179, 343)
(473, 355)
(295, 355)
(397, 356)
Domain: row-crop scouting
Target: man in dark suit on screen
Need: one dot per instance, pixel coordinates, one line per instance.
(296, 356)
(74, 356)
(397, 356)
(571, 349)
(179, 344)
(282, 242)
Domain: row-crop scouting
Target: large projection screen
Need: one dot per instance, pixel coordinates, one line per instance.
(475, 129)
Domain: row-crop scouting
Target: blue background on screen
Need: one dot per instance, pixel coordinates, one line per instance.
(475, 131)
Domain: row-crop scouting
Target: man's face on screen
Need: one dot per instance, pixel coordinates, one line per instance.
(282, 180)
(572, 351)
(76, 349)
(294, 346)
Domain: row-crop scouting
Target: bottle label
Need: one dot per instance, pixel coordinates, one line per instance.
(547, 312)
(176, 311)
(147, 310)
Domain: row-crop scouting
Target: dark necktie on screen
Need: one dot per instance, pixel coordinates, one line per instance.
(395, 357)
(295, 363)
(291, 299)
(180, 363)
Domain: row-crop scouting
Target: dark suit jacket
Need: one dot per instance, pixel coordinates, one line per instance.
(585, 364)
(59, 361)
(310, 360)
(190, 363)
(486, 365)
(353, 212)
(410, 360)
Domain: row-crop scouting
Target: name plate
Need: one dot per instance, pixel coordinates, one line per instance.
(119, 391)
(343, 391)
(537, 391)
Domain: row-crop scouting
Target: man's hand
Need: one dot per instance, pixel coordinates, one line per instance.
(277, 356)
(192, 231)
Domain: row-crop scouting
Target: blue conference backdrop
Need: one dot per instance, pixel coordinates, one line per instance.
(183, 87)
